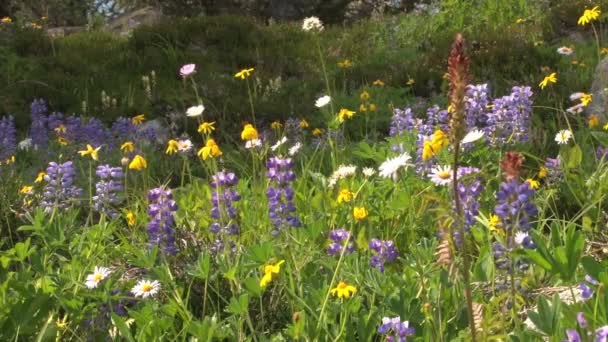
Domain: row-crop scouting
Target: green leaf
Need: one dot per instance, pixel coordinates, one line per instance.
(602, 137)
(124, 330)
(592, 267)
(572, 156)
(239, 306)
(253, 286)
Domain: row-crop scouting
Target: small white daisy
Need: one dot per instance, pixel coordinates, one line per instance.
(342, 172)
(146, 288)
(562, 137)
(322, 101)
(312, 24)
(368, 171)
(99, 274)
(195, 111)
(520, 237)
(473, 136)
(278, 144)
(253, 143)
(391, 166)
(25, 145)
(295, 148)
(184, 145)
(441, 175)
(564, 50)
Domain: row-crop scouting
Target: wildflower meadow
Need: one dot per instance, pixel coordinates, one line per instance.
(472, 214)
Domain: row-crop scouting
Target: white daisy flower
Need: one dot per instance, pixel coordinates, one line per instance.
(562, 137)
(322, 101)
(253, 143)
(520, 237)
(146, 288)
(184, 145)
(391, 166)
(278, 144)
(368, 171)
(195, 111)
(295, 148)
(564, 50)
(99, 274)
(342, 172)
(312, 24)
(473, 136)
(441, 175)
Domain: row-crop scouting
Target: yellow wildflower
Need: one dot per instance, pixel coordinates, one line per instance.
(542, 172)
(62, 141)
(211, 149)
(604, 51)
(606, 127)
(138, 163)
(495, 224)
(276, 125)
(378, 83)
(548, 79)
(90, 151)
(138, 119)
(40, 177)
(445, 76)
(6, 20)
(364, 96)
(316, 132)
(128, 146)
(304, 124)
(345, 64)
(249, 132)
(172, 146)
(519, 20)
(130, 218)
(410, 82)
(372, 107)
(345, 114)
(343, 290)
(243, 74)
(586, 99)
(206, 127)
(434, 145)
(26, 189)
(589, 15)
(60, 129)
(362, 108)
(270, 271)
(534, 184)
(593, 121)
(345, 195)
(360, 213)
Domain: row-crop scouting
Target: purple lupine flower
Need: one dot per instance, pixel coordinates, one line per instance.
(402, 121)
(72, 129)
(601, 334)
(573, 336)
(582, 322)
(106, 190)
(161, 231)
(338, 236)
(469, 191)
(60, 190)
(396, 329)
(500, 255)
(223, 212)
(436, 118)
(515, 206)
(555, 172)
(476, 106)
(586, 291)
(123, 130)
(509, 120)
(293, 130)
(385, 252)
(38, 127)
(54, 120)
(280, 194)
(8, 137)
(96, 133)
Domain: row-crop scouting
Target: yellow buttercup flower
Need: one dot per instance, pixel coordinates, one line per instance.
(345, 195)
(542, 172)
(433, 146)
(128, 146)
(345, 114)
(593, 121)
(345, 64)
(360, 213)
(60, 129)
(249, 132)
(378, 83)
(372, 107)
(316, 132)
(172, 147)
(138, 163)
(62, 141)
(40, 177)
(495, 224)
(410, 82)
(90, 151)
(586, 99)
(362, 108)
(364, 96)
(211, 149)
(276, 125)
(270, 271)
(138, 119)
(206, 127)
(26, 189)
(130, 219)
(548, 79)
(589, 15)
(304, 124)
(343, 290)
(243, 74)
(534, 184)
(519, 20)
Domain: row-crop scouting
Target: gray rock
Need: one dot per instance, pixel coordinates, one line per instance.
(125, 24)
(161, 131)
(599, 89)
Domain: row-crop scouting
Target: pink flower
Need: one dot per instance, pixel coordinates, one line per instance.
(187, 70)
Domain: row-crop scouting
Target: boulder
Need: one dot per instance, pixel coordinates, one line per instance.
(599, 89)
(125, 24)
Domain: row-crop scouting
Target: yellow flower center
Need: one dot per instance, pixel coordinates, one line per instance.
(444, 174)
(146, 287)
(97, 276)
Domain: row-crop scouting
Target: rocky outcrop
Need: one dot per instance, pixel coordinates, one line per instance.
(599, 89)
(125, 24)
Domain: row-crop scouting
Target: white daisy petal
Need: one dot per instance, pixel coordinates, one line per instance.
(391, 166)
(195, 111)
(562, 137)
(99, 274)
(146, 288)
(322, 101)
(473, 136)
